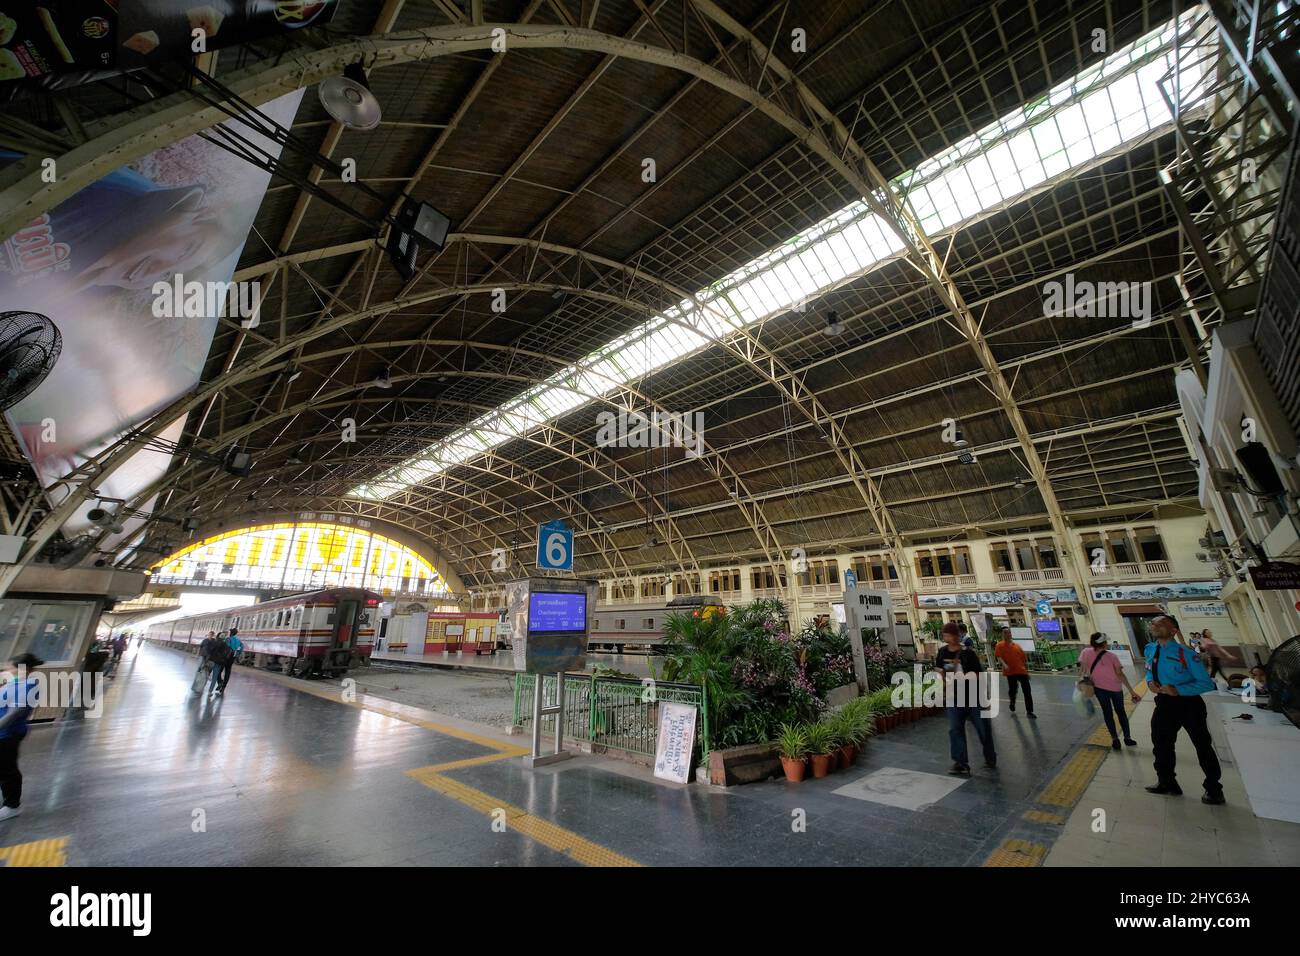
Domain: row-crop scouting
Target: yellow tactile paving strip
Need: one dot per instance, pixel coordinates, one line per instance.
(1017, 853)
(38, 853)
(1043, 816)
(1068, 785)
(548, 834)
(1064, 791)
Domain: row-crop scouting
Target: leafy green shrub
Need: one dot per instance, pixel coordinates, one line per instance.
(757, 675)
(793, 741)
(820, 738)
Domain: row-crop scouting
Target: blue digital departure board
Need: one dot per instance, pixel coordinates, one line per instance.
(552, 612)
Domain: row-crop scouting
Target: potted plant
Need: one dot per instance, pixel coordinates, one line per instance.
(793, 744)
(819, 748)
(861, 724)
(845, 724)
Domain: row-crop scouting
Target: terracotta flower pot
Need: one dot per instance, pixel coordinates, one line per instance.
(848, 753)
(794, 767)
(821, 765)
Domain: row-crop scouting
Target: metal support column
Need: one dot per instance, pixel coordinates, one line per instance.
(540, 710)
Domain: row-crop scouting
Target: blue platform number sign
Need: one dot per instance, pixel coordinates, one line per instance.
(1044, 608)
(554, 547)
(850, 580)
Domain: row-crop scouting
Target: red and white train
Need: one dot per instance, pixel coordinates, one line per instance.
(319, 632)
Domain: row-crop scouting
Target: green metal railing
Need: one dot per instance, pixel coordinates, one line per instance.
(613, 712)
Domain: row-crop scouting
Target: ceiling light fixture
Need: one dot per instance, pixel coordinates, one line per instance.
(382, 380)
(833, 324)
(348, 100)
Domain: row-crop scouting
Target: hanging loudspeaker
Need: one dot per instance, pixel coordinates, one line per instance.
(348, 99)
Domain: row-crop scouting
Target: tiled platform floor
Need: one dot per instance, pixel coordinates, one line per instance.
(1146, 830)
(283, 772)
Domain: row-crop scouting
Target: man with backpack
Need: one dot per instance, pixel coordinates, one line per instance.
(236, 647)
(1179, 679)
(220, 656)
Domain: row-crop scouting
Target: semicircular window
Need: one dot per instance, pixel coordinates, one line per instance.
(301, 556)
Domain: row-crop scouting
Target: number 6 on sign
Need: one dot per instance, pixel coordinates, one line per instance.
(554, 547)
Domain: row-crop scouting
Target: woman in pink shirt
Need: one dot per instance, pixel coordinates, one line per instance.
(1108, 680)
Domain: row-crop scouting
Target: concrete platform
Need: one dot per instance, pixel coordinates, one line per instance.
(1146, 830)
(287, 772)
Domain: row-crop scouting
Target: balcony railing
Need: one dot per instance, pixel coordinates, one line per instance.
(1132, 569)
(1031, 576)
(942, 582)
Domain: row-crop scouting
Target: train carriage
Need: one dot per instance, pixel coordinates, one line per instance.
(319, 632)
(616, 626)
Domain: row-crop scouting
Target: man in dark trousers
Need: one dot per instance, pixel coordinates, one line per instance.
(1015, 668)
(1178, 678)
(961, 665)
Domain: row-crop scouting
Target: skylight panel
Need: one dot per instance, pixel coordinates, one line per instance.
(1109, 103)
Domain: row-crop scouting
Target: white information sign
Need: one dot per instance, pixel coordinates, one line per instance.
(865, 607)
(676, 741)
(1125, 656)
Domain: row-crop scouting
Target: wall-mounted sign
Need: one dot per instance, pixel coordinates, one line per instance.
(1208, 609)
(1157, 592)
(1276, 576)
(986, 598)
(1043, 608)
(676, 742)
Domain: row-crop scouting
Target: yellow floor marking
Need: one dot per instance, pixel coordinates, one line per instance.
(1017, 853)
(478, 761)
(544, 832)
(1064, 790)
(38, 853)
(1042, 816)
(1068, 785)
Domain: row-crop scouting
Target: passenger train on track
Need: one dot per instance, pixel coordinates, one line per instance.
(320, 632)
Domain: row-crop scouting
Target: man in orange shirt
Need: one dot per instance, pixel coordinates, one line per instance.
(1015, 668)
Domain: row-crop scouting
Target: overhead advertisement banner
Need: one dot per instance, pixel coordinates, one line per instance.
(986, 598)
(1156, 592)
(92, 264)
(43, 39)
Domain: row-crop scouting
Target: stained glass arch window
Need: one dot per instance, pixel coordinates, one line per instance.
(301, 556)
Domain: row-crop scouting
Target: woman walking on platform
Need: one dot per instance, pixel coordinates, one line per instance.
(1106, 672)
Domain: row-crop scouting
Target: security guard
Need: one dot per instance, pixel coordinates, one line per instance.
(1178, 678)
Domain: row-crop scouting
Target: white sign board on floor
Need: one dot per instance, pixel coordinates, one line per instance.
(676, 741)
(1125, 656)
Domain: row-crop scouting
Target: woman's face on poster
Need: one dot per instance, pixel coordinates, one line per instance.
(185, 238)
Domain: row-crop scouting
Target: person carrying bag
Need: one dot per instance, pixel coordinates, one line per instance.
(1106, 680)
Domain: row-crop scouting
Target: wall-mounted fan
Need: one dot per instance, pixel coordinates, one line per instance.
(29, 346)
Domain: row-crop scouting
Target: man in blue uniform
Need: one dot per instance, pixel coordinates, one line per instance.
(1178, 678)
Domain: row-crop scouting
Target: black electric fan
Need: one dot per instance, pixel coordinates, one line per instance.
(1283, 676)
(29, 346)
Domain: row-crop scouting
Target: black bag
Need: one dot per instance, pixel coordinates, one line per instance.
(221, 653)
